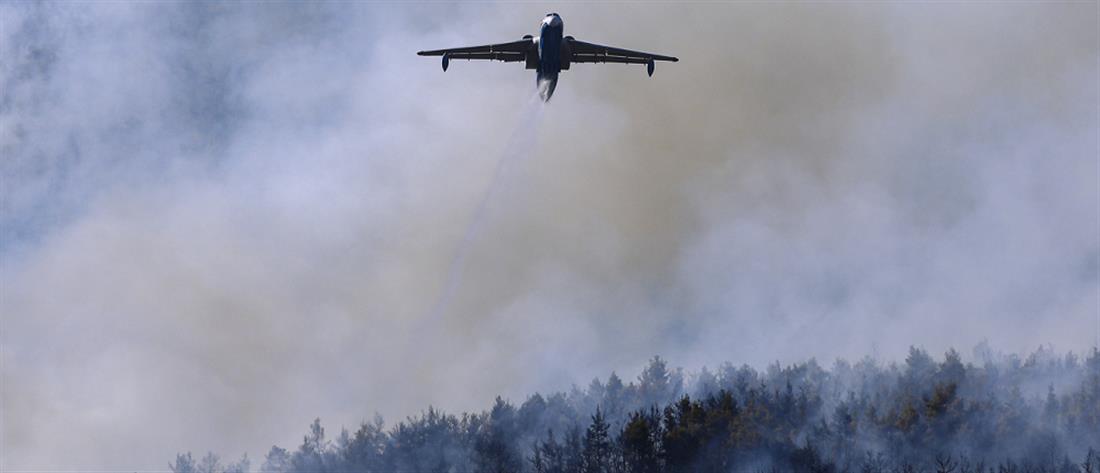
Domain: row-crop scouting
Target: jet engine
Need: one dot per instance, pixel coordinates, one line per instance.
(566, 52)
(532, 57)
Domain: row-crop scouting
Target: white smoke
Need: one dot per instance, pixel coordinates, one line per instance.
(522, 142)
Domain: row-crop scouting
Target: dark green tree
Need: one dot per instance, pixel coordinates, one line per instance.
(597, 456)
(495, 446)
(639, 443)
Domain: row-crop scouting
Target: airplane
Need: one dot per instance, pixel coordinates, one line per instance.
(549, 53)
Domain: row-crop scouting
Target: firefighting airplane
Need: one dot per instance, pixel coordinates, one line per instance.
(549, 53)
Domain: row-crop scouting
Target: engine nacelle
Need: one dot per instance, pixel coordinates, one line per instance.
(566, 52)
(446, 61)
(649, 67)
(532, 57)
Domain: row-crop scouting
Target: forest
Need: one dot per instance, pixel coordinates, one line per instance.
(994, 413)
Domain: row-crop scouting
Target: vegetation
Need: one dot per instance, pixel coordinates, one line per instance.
(997, 414)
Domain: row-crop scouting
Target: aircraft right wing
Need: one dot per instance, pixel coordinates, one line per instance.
(581, 51)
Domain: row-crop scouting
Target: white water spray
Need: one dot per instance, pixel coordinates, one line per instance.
(521, 144)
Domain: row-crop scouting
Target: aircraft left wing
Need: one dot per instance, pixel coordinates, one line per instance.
(580, 51)
(507, 52)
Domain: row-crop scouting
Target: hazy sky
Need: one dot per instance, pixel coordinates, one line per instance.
(218, 221)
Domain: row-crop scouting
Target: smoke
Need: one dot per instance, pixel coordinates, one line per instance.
(523, 141)
(218, 221)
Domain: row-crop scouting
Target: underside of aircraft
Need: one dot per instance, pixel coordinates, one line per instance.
(549, 54)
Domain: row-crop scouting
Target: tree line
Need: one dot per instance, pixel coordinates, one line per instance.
(994, 414)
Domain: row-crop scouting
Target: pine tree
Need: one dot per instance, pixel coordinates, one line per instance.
(366, 448)
(597, 455)
(494, 446)
(549, 456)
(276, 461)
(186, 464)
(640, 451)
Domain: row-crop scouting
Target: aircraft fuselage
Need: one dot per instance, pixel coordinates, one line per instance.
(550, 40)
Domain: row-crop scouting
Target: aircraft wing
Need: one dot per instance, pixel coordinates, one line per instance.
(581, 51)
(507, 52)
